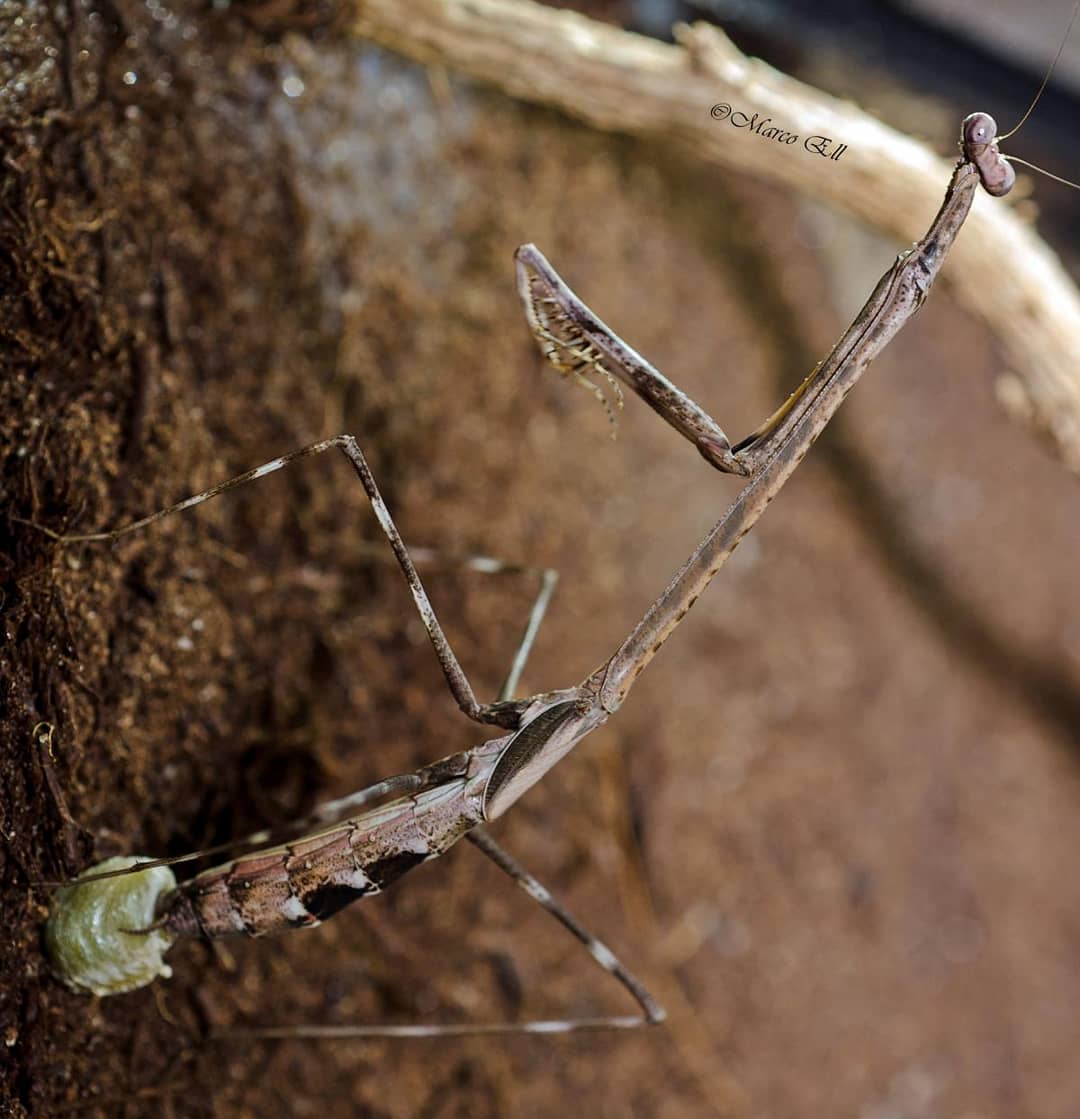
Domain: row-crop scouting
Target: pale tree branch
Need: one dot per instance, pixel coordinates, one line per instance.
(1001, 270)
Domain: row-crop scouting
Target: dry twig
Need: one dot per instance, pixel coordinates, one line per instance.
(620, 82)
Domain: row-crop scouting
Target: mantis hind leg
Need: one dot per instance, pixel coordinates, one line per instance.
(651, 1011)
(499, 713)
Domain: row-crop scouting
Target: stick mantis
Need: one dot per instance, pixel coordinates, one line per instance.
(302, 882)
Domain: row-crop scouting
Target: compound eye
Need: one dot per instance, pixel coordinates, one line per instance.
(978, 129)
(1000, 179)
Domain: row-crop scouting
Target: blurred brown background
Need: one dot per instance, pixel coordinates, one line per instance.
(833, 828)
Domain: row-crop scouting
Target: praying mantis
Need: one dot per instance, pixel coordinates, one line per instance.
(419, 815)
(719, 448)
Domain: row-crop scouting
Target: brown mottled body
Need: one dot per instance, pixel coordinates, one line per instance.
(303, 882)
(300, 884)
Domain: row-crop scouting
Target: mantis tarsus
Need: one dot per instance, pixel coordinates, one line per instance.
(307, 880)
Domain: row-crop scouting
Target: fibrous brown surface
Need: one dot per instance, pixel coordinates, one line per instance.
(834, 826)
